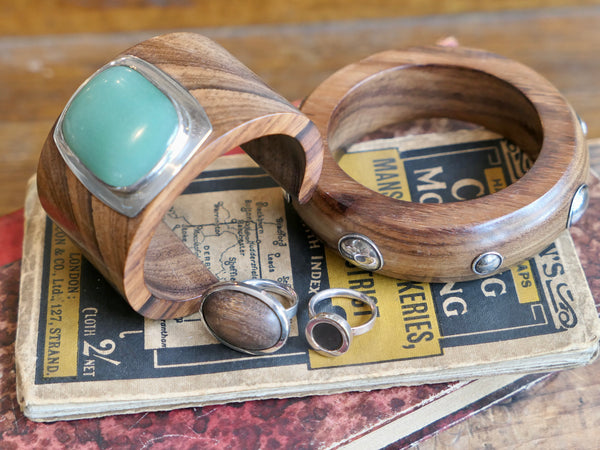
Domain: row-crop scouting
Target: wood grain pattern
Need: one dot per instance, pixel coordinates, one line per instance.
(241, 109)
(563, 413)
(439, 242)
(67, 16)
(250, 325)
(39, 73)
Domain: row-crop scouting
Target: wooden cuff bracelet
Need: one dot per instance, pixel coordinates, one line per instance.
(136, 134)
(451, 241)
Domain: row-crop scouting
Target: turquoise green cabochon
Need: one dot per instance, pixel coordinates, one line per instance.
(119, 125)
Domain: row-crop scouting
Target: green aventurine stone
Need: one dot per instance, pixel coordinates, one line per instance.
(120, 125)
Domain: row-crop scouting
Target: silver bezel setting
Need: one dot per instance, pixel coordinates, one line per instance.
(497, 258)
(194, 127)
(336, 322)
(579, 204)
(365, 255)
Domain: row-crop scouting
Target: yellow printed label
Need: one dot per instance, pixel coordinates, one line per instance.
(62, 314)
(527, 290)
(380, 170)
(495, 179)
(407, 326)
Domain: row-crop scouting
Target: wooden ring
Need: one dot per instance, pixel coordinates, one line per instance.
(451, 241)
(260, 328)
(139, 255)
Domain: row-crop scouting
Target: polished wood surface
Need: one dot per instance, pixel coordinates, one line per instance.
(39, 73)
(85, 16)
(155, 271)
(434, 242)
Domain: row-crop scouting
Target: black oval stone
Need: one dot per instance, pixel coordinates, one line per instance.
(327, 336)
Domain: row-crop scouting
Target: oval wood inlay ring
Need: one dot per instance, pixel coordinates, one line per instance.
(259, 327)
(450, 241)
(139, 255)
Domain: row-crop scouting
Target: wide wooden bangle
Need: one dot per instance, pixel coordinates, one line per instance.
(139, 255)
(452, 241)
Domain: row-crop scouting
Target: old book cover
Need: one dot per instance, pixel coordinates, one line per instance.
(319, 421)
(94, 356)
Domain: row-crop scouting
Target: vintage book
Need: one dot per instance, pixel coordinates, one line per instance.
(82, 352)
(395, 413)
(414, 407)
(317, 421)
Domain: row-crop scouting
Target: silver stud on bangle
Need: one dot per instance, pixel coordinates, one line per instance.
(360, 251)
(579, 204)
(487, 263)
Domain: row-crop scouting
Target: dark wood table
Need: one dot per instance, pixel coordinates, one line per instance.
(39, 73)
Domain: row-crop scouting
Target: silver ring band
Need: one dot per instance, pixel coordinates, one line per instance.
(346, 293)
(276, 287)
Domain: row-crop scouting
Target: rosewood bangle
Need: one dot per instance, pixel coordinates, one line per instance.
(452, 241)
(104, 178)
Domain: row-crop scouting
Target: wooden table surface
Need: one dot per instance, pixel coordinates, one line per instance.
(39, 73)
